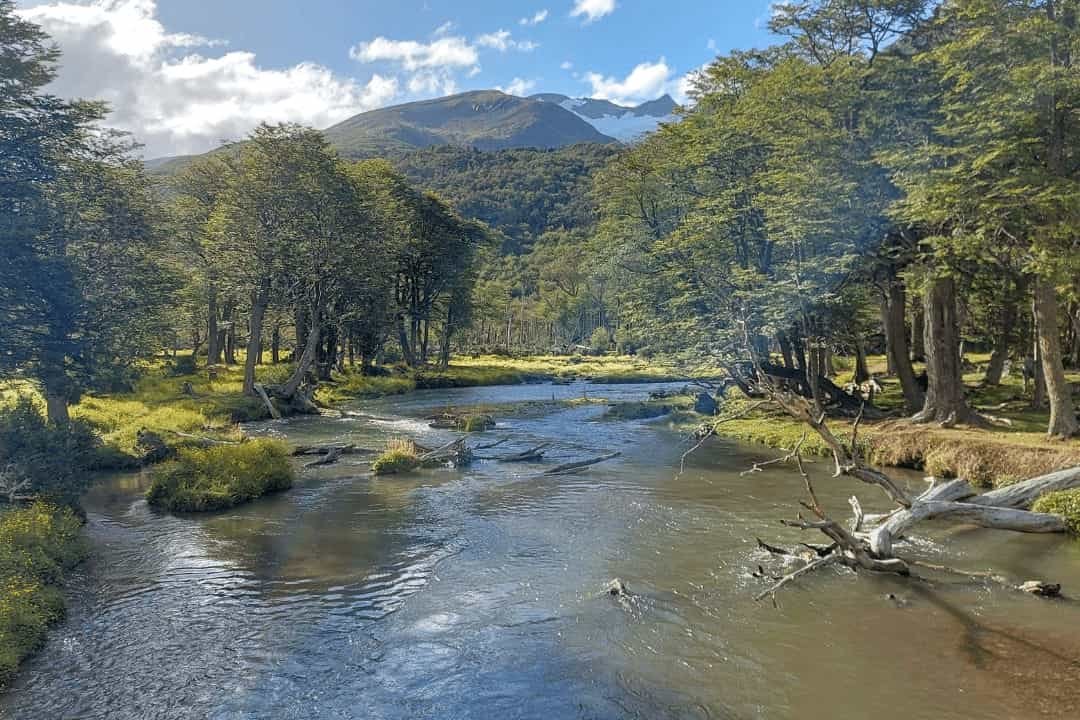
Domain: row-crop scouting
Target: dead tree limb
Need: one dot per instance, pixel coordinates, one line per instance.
(575, 466)
(266, 401)
(530, 455)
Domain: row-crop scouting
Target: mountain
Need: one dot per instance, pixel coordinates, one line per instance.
(618, 121)
(485, 120)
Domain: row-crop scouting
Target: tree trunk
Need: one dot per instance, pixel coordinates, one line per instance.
(862, 371)
(892, 319)
(448, 329)
(307, 358)
(918, 334)
(260, 298)
(1063, 422)
(1000, 354)
(275, 344)
(213, 339)
(945, 402)
(403, 340)
(785, 349)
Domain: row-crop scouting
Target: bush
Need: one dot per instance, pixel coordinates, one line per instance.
(600, 340)
(1065, 503)
(401, 456)
(37, 544)
(221, 477)
(41, 459)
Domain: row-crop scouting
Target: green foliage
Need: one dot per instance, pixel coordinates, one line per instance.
(1065, 503)
(38, 543)
(42, 459)
(221, 477)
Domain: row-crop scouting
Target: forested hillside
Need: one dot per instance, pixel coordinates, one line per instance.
(523, 193)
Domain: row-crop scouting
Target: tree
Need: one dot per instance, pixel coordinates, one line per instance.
(82, 285)
(999, 168)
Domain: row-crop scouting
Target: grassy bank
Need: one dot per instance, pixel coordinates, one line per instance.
(988, 457)
(38, 543)
(496, 370)
(221, 477)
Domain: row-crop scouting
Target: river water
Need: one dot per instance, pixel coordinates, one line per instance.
(479, 594)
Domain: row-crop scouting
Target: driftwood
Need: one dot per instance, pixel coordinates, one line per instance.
(456, 453)
(495, 444)
(203, 442)
(328, 459)
(575, 466)
(530, 455)
(301, 450)
(1002, 509)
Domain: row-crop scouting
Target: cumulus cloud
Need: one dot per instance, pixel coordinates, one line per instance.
(502, 41)
(176, 100)
(647, 81)
(445, 52)
(518, 86)
(539, 17)
(592, 10)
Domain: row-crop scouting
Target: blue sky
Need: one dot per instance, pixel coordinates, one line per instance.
(183, 75)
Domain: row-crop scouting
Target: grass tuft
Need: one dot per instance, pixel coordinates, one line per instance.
(401, 456)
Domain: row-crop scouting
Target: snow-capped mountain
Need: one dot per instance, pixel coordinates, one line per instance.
(617, 121)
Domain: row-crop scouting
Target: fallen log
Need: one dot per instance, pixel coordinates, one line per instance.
(328, 459)
(456, 453)
(530, 455)
(1002, 509)
(574, 466)
(274, 413)
(301, 450)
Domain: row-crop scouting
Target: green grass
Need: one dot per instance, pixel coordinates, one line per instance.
(221, 477)
(38, 543)
(1065, 503)
(401, 456)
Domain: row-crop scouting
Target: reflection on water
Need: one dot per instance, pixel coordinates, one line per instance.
(478, 594)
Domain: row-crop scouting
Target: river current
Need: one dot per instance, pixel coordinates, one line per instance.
(479, 593)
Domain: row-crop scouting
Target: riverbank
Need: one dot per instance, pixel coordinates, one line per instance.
(39, 543)
(1015, 448)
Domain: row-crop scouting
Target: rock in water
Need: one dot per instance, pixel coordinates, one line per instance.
(705, 404)
(616, 588)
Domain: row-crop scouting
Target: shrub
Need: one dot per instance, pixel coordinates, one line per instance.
(221, 477)
(600, 340)
(1065, 503)
(477, 423)
(40, 459)
(401, 456)
(37, 544)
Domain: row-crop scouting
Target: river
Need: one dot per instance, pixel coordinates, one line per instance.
(479, 593)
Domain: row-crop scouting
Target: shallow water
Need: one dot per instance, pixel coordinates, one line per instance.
(478, 594)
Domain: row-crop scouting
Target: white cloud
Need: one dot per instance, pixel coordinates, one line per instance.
(502, 41)
(567, 65)
(445, 28)
(539, 17)
(518, 86)
(446, 52)
(176, 100)
(647, 81)
(592, 10)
